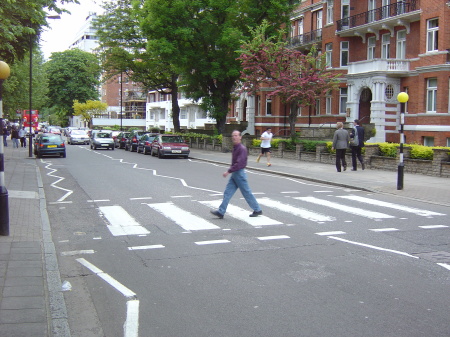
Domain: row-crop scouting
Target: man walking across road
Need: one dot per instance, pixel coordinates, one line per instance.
(340, 144)
(238, 179)
(22, 136)
(266, 138)
(356, 144)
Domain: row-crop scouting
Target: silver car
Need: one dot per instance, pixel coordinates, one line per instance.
(78, 137)
(102, 139)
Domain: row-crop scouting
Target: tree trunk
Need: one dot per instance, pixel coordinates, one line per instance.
(292, 118)
(175, 105)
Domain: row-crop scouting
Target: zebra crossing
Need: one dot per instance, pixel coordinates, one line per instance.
(122, 223)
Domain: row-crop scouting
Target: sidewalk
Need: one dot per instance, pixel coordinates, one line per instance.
(31, 301)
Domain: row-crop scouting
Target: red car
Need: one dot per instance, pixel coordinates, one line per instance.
(169, 146)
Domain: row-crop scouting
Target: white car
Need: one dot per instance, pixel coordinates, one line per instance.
(78, 137)
(102, 139)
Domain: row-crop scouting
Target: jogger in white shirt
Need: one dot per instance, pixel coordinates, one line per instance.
(266, 138)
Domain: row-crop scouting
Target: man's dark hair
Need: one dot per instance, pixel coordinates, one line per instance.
(357, 121)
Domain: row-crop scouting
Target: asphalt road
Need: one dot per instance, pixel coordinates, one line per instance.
(138, 245)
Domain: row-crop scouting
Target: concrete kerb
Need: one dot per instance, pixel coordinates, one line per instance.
(289, 175)
(58, 312)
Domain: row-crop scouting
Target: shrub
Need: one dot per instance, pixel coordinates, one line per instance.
(421, 152)
(388, 149)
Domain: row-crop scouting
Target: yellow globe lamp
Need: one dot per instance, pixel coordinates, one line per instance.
(4, 70)
(402, 97)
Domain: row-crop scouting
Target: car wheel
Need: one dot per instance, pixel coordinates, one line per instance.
(145, 151)
(160, 155)
(63, 155)
(112, 148)
(138, 150)
(131, 149)
(95, 147)
(38, 155)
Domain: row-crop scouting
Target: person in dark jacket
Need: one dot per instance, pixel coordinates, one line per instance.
(340, 144)
(15, 137)
(358, 133)
(238, 179)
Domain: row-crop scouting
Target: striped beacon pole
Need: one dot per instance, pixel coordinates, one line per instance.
(4, 207)
(402, 97)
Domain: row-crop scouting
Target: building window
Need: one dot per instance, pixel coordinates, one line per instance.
(343, 100)
(385, 46)
(319, 19)
(330, 4)
(257, 103)
(268, 106)
(371, 8)
(448, 142)
(371, 48)
(345, 13)
(401, 44)
(317, 107)
(389, 91)
(344, 53)
(183, 114)
(328, 54)
(328, 103)
(385, 8)
(432, 34)
(431, 94)
(299, 110)
(428, 141)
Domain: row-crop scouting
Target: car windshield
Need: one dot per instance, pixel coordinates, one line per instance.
(103, 135)
(172, 139)
(51, 139)
(78, 132)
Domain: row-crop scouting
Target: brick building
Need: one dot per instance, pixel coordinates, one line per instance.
(381, 47)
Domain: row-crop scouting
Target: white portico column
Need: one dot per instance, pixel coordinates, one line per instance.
(378, 109)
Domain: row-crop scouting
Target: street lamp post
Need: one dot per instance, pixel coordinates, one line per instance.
(402, 98)
(4, 207)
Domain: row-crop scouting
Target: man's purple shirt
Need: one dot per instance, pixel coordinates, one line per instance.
(239, 158)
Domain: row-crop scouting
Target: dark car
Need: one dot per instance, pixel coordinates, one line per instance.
(133, 139)
(169, 145)
(145, 143)
(121, 139)
(49, 144)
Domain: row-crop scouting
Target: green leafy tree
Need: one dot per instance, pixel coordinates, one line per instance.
(72, 75)
(297, 78)
(123, 50)
(200, 38)
(89, 110)
(17, 89)
(21, 22)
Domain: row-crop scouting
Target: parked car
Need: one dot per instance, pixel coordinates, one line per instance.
(121, 139)
(101, 139)
(78, 137)
(133, 139)
(145, 143)
(169, 145)
(49, 144)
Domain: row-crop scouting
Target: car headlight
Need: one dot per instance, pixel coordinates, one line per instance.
(185, 148)
(167, 148)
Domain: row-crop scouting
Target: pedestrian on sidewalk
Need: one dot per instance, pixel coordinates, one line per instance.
(15, 137)
(22, 136)
(5, 136)
(238, 179)
(340, 144)
(356, 144)
(266, 139)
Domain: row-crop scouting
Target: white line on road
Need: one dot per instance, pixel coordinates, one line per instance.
(331, 233)
(122, 223)
(417, 211)
(185, 219)
(145, 247)
(143, 198)
(445, 265)
(211, 242)
(99, 200)
(274, 237)
(131, 325)
(433, 226)
(343, 208)
(373, 247)
(383, 229)
(77, 252)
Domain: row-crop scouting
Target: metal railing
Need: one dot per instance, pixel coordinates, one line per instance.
(307, 38)
(377, 14)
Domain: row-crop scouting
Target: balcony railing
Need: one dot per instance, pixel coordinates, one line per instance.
(378, 14)
(387, 65)
(314, 36)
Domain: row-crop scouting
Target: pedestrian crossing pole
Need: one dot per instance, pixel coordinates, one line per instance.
(402, 97)
(4, 207)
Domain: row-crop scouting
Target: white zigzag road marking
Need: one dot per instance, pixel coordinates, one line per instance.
(54, 184)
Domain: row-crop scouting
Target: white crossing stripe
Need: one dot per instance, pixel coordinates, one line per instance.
(146, 247)
(383, 229)
(417, 211)
(297, 211)
(349, 209)
(242, 214)
(433, 226)
(331, 233)
(211, 242)
(122, 223)
(274, 237)
(185, 219)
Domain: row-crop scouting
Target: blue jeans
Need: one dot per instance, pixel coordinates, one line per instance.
(237, 180)
(15, 142)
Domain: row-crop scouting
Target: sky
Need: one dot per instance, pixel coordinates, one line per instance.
(62, 32)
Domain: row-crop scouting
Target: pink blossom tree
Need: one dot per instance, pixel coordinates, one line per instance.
(297, 78)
